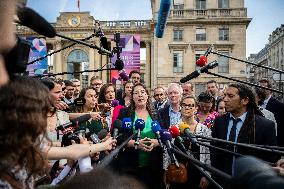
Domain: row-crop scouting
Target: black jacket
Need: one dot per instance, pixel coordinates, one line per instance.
(277, 108)
(164, 118)
(264, 135)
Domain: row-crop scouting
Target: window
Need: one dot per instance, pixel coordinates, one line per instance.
(223, 4)
(200, 4)
(178, 34)
(224, 34)
(223, 66)
(200, 34)
(178, 62)
(178, 4)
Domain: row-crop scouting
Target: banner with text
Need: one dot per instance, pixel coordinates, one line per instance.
(130, 56)
(38, 49)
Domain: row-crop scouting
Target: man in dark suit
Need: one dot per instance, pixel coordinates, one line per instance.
(243, 123)
(277, 108)
(160, 97)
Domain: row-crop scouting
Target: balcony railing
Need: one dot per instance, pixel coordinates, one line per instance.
(126, 24)
(208, 13)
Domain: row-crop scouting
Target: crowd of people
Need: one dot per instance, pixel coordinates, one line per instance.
(56, 134)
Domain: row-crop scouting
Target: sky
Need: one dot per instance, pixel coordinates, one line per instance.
(266, 15)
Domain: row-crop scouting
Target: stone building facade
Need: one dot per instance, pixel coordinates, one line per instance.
(192, 26)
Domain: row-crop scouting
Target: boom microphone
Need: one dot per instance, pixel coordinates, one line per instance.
(196, 73)
(31, 19)
(165, 6)
(123, 75)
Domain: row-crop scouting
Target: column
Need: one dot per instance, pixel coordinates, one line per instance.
(148, 64)
(58, 59)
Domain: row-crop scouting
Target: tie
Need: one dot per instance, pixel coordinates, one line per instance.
(232, 136)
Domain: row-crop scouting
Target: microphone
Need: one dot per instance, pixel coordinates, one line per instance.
(139, 126)
(174, 130)
(155, 126)
(117, 125)
(96, 138)
(201, 61)
(123, 75)
(30, 18)
(74, 122)
(114, 103)
(127, 123)
(165, 6)
(166, 137)
(184, 128)
(196, 73)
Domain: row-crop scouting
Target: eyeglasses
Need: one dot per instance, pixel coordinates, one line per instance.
(187, 105)
(158, 94)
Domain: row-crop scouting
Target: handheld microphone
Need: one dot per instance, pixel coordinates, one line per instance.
(96, 138)
(123, 75)
(165, 6)
(114, 103)
(155, 126)
(127, 123)
(196, 73)
(74, 122)
(31, 19)
(117, 125)
(139, 126)
(184, 128)
(174, 130)
(166, 137)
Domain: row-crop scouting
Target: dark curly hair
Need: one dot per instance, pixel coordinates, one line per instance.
(24, 105)
(149, 105)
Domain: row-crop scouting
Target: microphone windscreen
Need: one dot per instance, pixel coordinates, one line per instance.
(174, 130)
(34, 21)
(165, 6)
(102, 134)
(201, 61)
(165, 135)
(139, 124)
(183, 126)
(127, 123)
(81, 119)
(118, 65)
(117, 124)
(104, 43)
(114, 103)
(123, 76)
(155, 126)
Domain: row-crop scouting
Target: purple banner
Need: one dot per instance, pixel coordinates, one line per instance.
(130, 56)
(38, 49)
